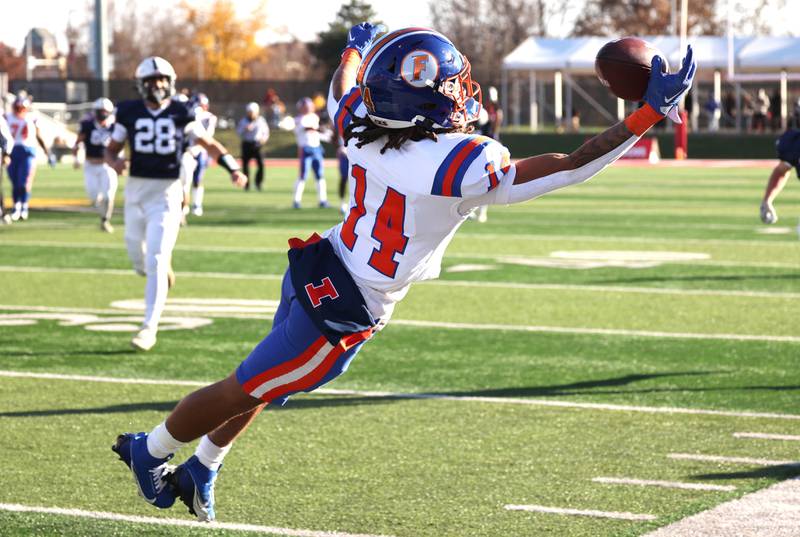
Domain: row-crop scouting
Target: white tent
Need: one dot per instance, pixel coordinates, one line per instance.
(750, 58)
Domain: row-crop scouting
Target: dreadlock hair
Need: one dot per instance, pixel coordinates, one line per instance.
(395, 137)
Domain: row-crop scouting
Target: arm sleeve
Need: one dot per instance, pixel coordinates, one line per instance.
(196, 130)
(507, 192)
(120, 133)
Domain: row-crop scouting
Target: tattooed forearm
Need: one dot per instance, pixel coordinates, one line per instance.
(599, 145)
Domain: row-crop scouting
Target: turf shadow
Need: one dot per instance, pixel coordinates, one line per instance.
(160, 406)
(783, 471)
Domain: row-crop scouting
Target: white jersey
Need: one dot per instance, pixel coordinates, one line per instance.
(23, 130)
(305, 137)
(404, 205)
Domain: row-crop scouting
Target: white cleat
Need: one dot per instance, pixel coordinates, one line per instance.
(197, 210)
(768, 213)
(24, 214)
(6, 219)
(15, 215)
(106, 226)
(144, 340)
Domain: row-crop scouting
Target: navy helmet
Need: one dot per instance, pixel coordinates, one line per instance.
(416, 76)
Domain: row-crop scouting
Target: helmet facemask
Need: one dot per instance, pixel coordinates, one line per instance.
(150, 91)
(465, 94)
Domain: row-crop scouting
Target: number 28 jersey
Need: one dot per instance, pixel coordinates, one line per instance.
(404, 204)
(156, 137)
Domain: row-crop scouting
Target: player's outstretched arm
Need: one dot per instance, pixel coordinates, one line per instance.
(359, 38)
(777, 180)
(544, 173)
(217, 151)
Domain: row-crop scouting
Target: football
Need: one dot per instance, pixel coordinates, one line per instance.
(623, 65)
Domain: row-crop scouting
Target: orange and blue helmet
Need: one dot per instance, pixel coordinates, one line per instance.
(417, 77)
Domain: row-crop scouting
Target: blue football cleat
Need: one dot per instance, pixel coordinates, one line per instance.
(193, 482)
(149, 473)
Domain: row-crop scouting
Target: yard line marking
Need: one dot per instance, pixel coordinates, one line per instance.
(767, 436)
(597, 331)
(426, 396)
(444, 283)
(468, 326)
(771, 511)
(664, 484)
(213, 526)
(579, 512)
(735, 460)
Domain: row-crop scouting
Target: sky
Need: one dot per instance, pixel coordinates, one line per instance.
(283, 18)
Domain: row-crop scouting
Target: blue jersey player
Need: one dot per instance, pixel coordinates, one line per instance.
(406, 113)
(155, 128)
(100, 179)
(788, 146)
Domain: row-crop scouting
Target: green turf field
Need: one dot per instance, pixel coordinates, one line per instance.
(594, 333)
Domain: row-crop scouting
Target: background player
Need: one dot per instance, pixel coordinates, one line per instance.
(155, 128)
(209, 123)
(99, 178)
(417, 173)
(309, 152)
(23, 126)
(254, 132)
(6, 143)
(788, 146)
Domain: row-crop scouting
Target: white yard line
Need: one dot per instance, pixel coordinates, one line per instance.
(767, 436)
(463, 326)
(774, 511)
(596, 331)
(732, 460)
(437, 283)
(214, 526)
(663, 484)
(579, 512)
(428, 396)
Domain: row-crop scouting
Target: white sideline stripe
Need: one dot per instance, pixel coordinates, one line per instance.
(426, 396)
(664, 484)
(773, 511)
(735, 460)
(767, 436)
(214, 526)
(444, 283)
(579, 512)
(465, 326)
(598, 331)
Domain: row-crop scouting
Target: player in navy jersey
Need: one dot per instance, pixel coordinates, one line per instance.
(100, 179)
(788, 147)
(156, 128)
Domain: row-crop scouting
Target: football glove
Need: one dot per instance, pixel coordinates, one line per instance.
(361, 35)
(768, 213)
(664, 91)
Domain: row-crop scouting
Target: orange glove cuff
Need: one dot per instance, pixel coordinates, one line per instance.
(640, 121)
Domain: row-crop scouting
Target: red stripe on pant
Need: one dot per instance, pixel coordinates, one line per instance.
(312, 378)
(285, 367)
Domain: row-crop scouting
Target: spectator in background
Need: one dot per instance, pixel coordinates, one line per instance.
(748, 110)
(712, 109)
(775, 110)
(760, 110)
(309, 152)
(254, 132)
(273, 107)
(729, 109)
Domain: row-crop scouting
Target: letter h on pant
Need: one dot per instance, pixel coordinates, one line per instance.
(323, 290)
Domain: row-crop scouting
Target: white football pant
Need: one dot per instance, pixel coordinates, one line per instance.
(152, 222)
(101, 187)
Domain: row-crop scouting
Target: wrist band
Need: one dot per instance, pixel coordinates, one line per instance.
(641, 120)
(228, 162)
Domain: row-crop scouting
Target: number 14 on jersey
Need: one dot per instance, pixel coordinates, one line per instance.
(388, 228)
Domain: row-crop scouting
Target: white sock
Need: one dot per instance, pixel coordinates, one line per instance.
(299, 186)
(210, 454)
(161, 444)
(197, 196)
(322, 190)
(18, 206)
